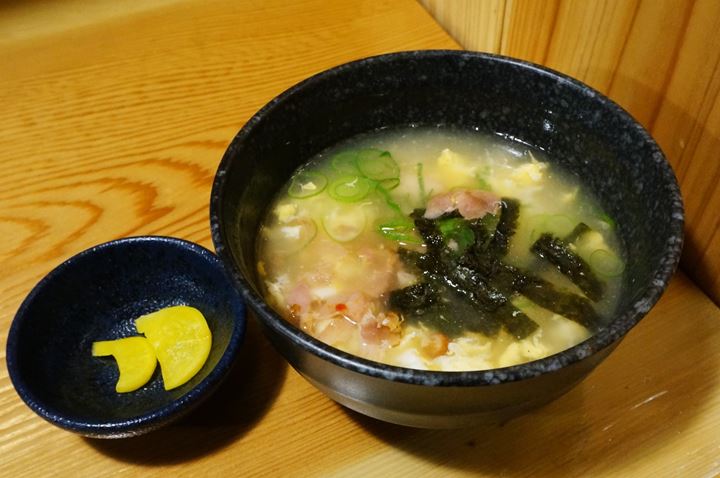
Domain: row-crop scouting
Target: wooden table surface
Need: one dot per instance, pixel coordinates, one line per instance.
(115, 116)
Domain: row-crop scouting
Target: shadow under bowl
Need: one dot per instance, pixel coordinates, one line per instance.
(577, 128)
(96, 295)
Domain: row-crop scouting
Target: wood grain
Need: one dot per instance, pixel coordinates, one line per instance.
(116, 116)
(659, 60)
(471, 22)
(537, 22)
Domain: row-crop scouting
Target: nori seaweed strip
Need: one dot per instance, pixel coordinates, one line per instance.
(463, 297)
(440, 319)
(558, 253)
(482, 262)
(417, 307)
(414, 259)
(577, 232)
(472, 292)
(456, 317)
(509, 213)
(426, 263)
(509, 280)
(516, 322)
(414, 299)
(428, 230)
(484, 229)
(473, 319)
(546, 295)
(483, 236)
(441, 309)
(462, 280)
(465, 279)
(567, 304)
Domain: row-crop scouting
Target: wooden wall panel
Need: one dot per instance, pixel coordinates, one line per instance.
(588, 37)
(649, 56)
(528, 29)
(471, 22)
(687, 127)
(660, 60)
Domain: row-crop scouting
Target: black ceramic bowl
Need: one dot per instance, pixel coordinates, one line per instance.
(577, 127)
(96, 295)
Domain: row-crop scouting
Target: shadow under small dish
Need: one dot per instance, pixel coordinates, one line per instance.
(97, 295)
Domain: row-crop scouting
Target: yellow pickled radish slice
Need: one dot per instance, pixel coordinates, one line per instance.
(135, 358)
(181, 339)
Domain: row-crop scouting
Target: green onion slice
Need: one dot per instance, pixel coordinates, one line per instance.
(306, 184)
(344, 223)
(421, 183)
(482, 183)
(400, 230)
(345, 162)
(350, 188)
(458, 230)
(390, 183)
(376, 164)
(607, 220)
(292, 236)
(606, 263)
(388, 198)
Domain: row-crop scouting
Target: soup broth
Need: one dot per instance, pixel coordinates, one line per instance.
(440, 249)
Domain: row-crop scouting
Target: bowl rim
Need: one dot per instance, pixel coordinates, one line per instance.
(609, 335)
(156, 417)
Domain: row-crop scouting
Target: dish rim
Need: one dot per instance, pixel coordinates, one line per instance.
(615, 331)
(155, 417)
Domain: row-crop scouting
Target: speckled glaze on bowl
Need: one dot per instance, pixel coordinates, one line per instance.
(96, 295)
(576, 126)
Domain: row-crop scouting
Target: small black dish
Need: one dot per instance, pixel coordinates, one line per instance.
(96, 295)
(576, 126)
